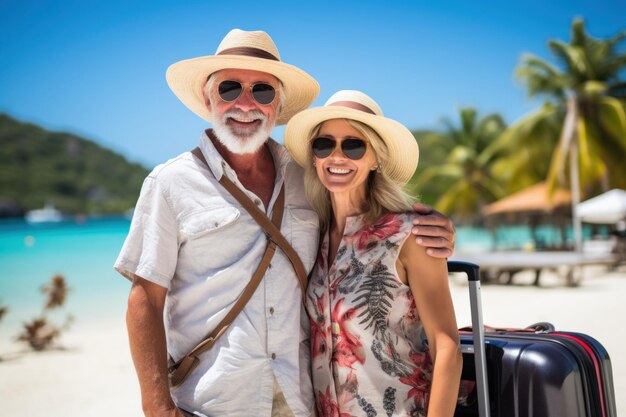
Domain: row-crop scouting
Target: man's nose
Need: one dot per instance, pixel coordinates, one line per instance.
(245, 101)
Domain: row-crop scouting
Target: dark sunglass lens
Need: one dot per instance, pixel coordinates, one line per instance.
(263, 93)
(353, 148)
(229, 90)
(322, 147)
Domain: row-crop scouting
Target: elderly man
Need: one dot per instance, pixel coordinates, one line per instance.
(192, 247)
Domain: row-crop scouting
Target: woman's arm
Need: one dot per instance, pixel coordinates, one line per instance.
(428, 280)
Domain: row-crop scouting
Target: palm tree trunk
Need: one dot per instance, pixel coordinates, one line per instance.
(575, 188)
(570, 142)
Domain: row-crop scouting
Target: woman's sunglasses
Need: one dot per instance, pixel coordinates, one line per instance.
(262, 93)
(351, 147)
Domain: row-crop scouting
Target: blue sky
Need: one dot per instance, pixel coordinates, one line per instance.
(97, 68)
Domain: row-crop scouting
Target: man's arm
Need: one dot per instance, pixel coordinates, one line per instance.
(434, 231)
(146, 334)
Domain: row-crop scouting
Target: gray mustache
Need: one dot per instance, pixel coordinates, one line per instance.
(254, 114)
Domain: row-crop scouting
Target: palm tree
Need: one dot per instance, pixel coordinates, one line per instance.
(583, 118)
(463, 180)
(523, 150)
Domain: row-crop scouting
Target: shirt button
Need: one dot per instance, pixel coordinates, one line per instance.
(271, 310)
(273, 356)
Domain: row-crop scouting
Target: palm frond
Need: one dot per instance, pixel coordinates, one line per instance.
(552, 87)
(612, 115)
(374, 294)
(614, 41)
(579, 35)
(574, 59)
(468, 117)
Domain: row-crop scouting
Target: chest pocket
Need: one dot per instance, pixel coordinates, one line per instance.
(206, 221)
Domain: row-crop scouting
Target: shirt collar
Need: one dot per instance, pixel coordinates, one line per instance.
(218, 165)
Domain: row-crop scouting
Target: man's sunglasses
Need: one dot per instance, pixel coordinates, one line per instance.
(352, 148)
(262, 93)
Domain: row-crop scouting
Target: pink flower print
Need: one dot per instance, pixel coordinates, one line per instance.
(337, 281)
(420, 379)
(411, 315)
(386, 226)
(347, 347)
(347, 390)
(319, 328)
(327, 407)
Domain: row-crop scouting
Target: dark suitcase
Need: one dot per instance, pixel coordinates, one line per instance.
(535, 372)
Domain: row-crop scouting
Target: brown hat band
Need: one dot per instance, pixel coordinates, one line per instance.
(353, 105)
(247, 51)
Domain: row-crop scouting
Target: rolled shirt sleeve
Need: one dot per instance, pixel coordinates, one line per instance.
(151, 247)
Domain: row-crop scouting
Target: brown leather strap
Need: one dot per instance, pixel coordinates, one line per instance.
(273, 233)
(271, 230)
(179, 370)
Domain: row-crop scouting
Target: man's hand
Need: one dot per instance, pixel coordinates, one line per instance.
(434, 231)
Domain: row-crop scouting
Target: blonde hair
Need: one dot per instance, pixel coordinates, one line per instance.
(384, 195)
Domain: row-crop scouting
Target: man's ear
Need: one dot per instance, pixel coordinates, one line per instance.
(207, 101)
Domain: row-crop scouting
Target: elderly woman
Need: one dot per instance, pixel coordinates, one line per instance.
(384, 338)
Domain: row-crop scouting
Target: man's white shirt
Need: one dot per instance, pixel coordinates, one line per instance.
(190, 235)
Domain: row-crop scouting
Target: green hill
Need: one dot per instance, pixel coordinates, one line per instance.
(74, 174)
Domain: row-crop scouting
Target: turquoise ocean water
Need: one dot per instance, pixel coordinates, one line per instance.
(84, 253)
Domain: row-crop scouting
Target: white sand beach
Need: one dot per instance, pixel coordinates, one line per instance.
(93, 375)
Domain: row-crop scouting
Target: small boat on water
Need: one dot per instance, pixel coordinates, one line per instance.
(48, 214)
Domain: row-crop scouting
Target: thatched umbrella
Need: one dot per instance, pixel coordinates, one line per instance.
(531, 200)
(535, 205)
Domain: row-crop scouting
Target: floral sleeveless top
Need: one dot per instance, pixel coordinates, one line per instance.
(369, 356)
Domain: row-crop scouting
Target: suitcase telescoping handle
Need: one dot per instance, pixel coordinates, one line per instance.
(478, 331)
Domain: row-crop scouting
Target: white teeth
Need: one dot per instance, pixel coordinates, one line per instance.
(338, 171)
(243, 120)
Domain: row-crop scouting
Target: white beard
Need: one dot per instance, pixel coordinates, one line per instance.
(238, 144)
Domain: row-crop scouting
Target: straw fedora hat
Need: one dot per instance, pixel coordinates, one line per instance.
(241, 49)
(355, 105)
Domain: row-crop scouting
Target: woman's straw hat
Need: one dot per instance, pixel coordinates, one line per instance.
(355, 105)
(242, 50)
